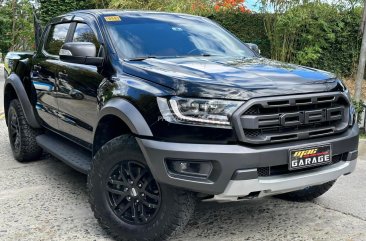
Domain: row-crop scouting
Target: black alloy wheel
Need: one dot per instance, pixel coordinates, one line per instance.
(133, 194)
(129, 203)
(22, 136)
(14, 131)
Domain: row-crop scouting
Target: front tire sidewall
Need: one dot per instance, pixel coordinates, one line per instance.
(16, 151)
(28, 148)
(160, 226)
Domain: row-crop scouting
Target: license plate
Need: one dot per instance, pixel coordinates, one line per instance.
(310, 157)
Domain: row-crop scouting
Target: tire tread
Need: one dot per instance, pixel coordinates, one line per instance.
(185, 201)
(30, 150)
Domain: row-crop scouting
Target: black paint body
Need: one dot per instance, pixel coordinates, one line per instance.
(70, 96)
(90, 105)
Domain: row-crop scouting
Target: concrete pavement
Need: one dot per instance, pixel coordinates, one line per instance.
(47, 200)
(1, 89)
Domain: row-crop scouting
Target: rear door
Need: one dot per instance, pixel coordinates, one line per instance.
(78, 86)
(44, 73)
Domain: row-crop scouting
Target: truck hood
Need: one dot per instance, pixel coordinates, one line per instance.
(237, 79)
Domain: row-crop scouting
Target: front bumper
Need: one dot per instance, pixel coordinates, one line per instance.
(235, 167)
(266, 186)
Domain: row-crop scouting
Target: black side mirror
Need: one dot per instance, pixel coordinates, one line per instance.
(254, 48)
(80, 53)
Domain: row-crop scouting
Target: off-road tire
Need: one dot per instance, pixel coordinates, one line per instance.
(176, 205)
(26, 148)
(307, 194)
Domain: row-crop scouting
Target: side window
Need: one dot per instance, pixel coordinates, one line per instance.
(56, 38)
(83, 33)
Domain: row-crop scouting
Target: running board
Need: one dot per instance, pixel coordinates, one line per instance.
(68, 152)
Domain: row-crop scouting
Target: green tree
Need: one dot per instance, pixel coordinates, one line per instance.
(51, 8)
(16, 21)
(318, 35)
(6, 25)
(187, 6)
(24, 29)
(101, 3)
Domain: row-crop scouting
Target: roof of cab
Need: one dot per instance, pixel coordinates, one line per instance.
(124, 12)
(101, 12)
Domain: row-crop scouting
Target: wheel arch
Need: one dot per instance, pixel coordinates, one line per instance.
(118, 117)
(15, 89)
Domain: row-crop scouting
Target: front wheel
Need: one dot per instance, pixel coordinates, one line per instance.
(307, 194)
(128, 201)
(22, 136)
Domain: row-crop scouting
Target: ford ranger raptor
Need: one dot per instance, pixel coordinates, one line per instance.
(163, 110)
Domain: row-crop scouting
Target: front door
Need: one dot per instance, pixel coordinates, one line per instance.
(77, 97)
(44, 74)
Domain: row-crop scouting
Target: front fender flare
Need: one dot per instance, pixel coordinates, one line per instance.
(14, 80)
(128, 114)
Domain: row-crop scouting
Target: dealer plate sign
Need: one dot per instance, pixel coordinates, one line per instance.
(310, 157)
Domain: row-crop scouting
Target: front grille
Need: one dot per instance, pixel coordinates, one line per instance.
(280, 119)
(283, 169)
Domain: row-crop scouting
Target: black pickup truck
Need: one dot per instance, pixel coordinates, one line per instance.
(162, 110)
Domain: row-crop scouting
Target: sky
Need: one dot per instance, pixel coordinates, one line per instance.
(251, 4)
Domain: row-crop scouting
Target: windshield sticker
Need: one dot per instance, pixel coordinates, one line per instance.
(113, 18)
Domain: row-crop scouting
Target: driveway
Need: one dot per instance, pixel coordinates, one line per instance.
(47, 200)
(1, 89)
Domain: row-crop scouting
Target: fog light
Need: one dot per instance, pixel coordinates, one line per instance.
(190, 168)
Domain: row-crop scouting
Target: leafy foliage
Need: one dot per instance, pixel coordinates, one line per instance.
(318, 35)
(306, 32)
(52, 8)
(22, 38)
(231, 5)
(160, 5)
(359, 107)
(24, 32)
(6, 26)
(248, 27)
(202, 7)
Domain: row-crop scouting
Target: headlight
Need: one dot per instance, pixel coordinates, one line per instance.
(198, 111)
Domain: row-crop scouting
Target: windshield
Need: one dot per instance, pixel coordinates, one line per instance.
(148, 35)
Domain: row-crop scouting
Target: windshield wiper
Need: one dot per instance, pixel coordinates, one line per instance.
(142, 58)
(196, 55)
(207, 55)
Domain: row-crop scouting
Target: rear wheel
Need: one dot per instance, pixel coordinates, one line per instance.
(128, 201)
(22, 136)
(307, 194)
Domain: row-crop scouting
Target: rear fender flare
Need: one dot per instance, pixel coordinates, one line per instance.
(29, 111)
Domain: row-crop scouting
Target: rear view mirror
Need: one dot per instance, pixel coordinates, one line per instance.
(254, 48)
(80, 53)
